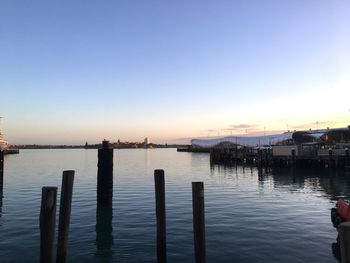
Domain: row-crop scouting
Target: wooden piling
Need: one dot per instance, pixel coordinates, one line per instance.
(198, 221)
(344, 241)
(330, 158)
(104, 232)
(259, 161)
(160, 215)
(47, 224)
(1, 172)
(105, 175)
(64, 217)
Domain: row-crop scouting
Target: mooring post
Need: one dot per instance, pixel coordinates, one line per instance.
(293, 158)
(344, 241)
(64, 217)
(105, 175)
(260, 167)
(198, 221)
(104, 232)
(330, 158)
(47, 224)
(160, 214)
(1, 172)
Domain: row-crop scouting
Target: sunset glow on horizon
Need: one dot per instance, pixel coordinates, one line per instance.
(79, 71)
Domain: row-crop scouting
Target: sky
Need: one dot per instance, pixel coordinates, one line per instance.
(87, 70)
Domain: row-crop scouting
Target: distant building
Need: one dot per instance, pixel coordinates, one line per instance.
(337, 136)
(146, 141)
(3, 142)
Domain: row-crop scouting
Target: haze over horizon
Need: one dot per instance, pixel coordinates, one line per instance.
(76, 71)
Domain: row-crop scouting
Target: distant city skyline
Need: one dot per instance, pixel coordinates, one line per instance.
(76, 71)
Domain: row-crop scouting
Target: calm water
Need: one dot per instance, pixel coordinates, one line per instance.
(276, 217)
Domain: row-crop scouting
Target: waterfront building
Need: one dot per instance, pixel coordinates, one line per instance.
(146, 141)
(3, 142)
(338, 137)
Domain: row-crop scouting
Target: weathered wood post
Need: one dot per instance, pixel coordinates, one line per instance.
(330, 158)
(1, 172)
(64, 217)
(47, 224)
(260, 161)
(104, 231)
(344, 241)
(293, 158)
(105, 175)
(160, 215)
(198, 221)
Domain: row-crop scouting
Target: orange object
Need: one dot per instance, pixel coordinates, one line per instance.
(343, 210)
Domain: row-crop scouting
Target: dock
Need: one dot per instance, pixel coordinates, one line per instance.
(283, 156)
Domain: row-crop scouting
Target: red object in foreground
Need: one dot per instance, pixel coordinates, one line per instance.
(343, 210)
(341, 213)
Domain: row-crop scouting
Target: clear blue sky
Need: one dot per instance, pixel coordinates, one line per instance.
(72, 71)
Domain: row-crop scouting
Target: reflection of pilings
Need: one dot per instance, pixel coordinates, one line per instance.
(104, 229)
(1, 174)
(330, 158)
(1, 203)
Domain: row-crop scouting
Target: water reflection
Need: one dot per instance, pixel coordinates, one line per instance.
(0, 204)
(1, 194)
(336, 250)
(104, 230)
(333, 184)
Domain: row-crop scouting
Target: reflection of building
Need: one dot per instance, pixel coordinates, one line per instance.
(146, 141)
(3, 142)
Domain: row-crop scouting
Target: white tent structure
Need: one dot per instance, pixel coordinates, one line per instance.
(3, 142)
(255, 141)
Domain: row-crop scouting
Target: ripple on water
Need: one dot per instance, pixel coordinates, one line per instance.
(276, 217)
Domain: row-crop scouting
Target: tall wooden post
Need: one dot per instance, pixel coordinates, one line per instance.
(105, 175)
(198, 221)
(330, 158)
(47, 224)
(160, 214)
(344, 241)
(259, 161)
(64, 218)
(104, 232)
(293, 158)
(1, 172)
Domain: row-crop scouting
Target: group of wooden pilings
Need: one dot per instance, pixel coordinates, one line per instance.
(104, 200)
(329, 161)
(265, 158)
(198, 218)
(233, 156)
(48, 220)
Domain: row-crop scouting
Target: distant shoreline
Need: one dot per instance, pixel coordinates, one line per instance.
(97, 146)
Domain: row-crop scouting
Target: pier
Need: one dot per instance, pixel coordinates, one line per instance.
(327, 148)
(283, 156)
